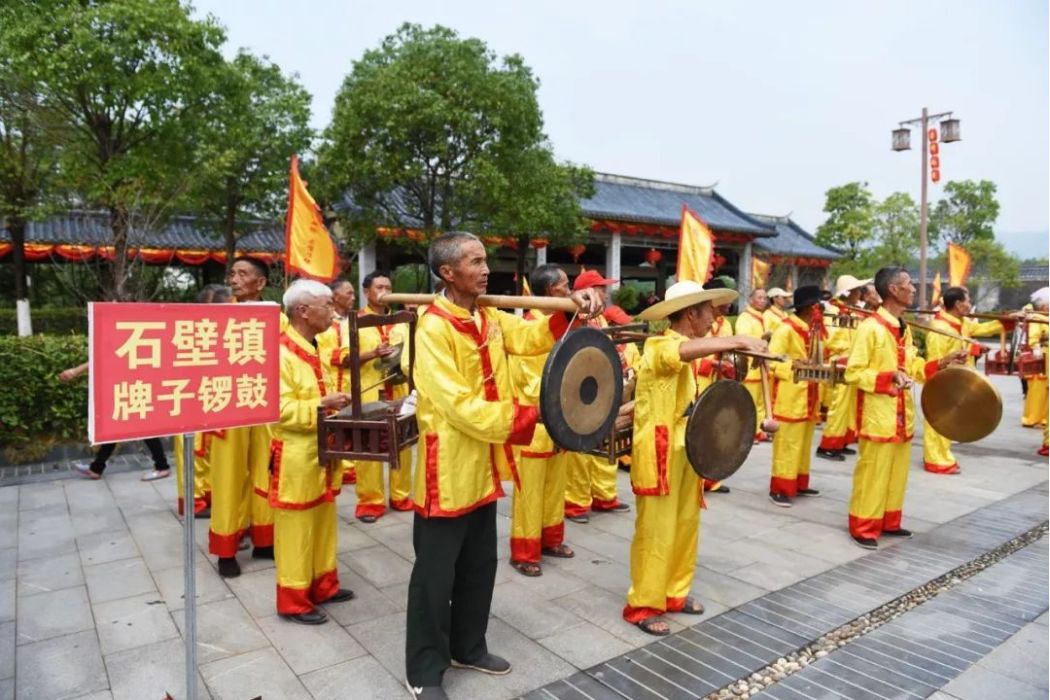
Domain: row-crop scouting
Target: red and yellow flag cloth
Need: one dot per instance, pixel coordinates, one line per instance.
(309, 250)
(759, 272)
(959, 264)
(936, 289)
(696, 248)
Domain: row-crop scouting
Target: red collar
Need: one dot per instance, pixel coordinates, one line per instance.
(310, 358)
(954, 323)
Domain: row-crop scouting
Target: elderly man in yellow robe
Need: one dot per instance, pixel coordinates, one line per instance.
(668, 493)
(1035, 403)
(537, 519)
(796, 405)
(469, 420)
(301, 491)
(883, 365)
(752, 322)
(937, 449)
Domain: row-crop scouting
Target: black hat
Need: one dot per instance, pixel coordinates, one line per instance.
(808, 296)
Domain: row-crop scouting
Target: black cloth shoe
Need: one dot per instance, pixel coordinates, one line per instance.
(426, 692)
(780, 499)
(229, 568)
(900, 532)
(833, 455)
(808, 492)
(848, 451)
(486, 663)
(866, 542)
(583, 518)
(262, 553)
(343, 594)
(721, 489)
(314, 617)
(203, 515)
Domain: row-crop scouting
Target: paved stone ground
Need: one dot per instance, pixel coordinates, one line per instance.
(90, 586)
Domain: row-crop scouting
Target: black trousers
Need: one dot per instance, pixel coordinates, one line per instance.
(156, 451)
(450, 592)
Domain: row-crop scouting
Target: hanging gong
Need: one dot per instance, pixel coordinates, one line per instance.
(581, 389)
(720, 430)
(961, 404)
(741, 364)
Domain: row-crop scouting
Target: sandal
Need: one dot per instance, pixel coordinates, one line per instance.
(650, 625)
(562, 551)
(692, 606)
(527, 568)
(156, 474)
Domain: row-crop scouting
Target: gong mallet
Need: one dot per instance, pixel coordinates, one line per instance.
(769, 423)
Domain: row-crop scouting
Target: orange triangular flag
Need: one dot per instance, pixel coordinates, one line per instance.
(759, 272)
(958, 265)
(696, 247)
(309, 250)
(936, 289)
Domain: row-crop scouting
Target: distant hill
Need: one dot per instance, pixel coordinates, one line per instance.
(1026, 244)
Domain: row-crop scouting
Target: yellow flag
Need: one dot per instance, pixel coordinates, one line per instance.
(309, 250)
(958, 265)
(936, 289)
(759, 272)
(696, 247)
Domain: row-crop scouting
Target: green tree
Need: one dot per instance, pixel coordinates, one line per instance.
(258, 120)
(896, 229)
(430, 132)
(131, 83)
(848, 228)
(966, 213)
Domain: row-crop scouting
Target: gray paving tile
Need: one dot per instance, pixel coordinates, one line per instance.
(686, 650)
(775, 640)
(224, 628)
(823, 687)
(533, 615)
(63, 667)
(132, 622)
(119, 579)
(49, 574)
(362, 677)
(89, 522)
(100, 695)
(378, 565)
(877, 679)
(585, 645)
(46, 536)
(8, 562)
(54, 614)
(7, 600)
(306, 648)
(660, 677)
(903, 660)
(230, 678)
(104, 547)
(605, 610)
(257, 592)
(980, 683)
(7, 689)
(736, 649)
(150, 671)
(1023, 657)
(384, 640)
(368, 603)
(578, 686)
(7, 650)
(209, 586)
(46, 495)
(623, 684)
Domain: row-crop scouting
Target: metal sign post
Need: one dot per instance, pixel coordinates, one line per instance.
(189, 566)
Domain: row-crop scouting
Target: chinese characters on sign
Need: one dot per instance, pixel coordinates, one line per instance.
(162, 369)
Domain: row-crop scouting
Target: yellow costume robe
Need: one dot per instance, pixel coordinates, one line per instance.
(886, 420)
(592, 480)
(467, 415)
(796, 406)
(201, 473)
(301, 491)
(1035, 402)
(773, 317)
(937, 449)
(668, 493)
(537, 519)
(751, 322)
(840, 428)
(371, 496)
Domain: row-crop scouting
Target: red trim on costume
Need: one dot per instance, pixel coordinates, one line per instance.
(784, 486)
(293, 601)
(662, 443)
(636, 615)
(523, 427)
(706, 367)
(559, 324)
(600, 504)
(401, 505)
(832, 442)
(675, 604)
(350, 476)
(224, 546)
(552, 535)
(931, 367)
(324, 586)
(802, 481)
(376, 509)
(312, 359)
(865, 527)
(891, 520)
(538, 455)
(935, 468)
(955, 325)
(262, 535)
(525, 549)
(900, 337)
(812, 390)
(261, 492)
(276, 453)
(574, 509)
(431, 508)
(884, 384)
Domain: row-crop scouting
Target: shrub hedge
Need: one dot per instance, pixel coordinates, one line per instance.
(59, 320)
(35, 408)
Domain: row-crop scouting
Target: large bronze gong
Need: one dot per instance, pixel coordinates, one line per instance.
(581, 389)
(720, 430)
(961, 404)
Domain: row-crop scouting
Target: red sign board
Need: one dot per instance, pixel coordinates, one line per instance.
(163, 369)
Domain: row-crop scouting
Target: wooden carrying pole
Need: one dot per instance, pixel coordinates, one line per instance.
(923, 326)
(498, 300)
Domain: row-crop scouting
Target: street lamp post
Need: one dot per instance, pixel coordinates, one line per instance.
(902, 142)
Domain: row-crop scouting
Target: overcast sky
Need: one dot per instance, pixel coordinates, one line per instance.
(774, 101)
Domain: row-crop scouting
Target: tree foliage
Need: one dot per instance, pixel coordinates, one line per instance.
(967, 212)
(259, 118)
(895, 227)
(848, 228)
(431, 132)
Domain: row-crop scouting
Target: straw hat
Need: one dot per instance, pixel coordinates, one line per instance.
(777, 292)
(847, 283)
(682, 295)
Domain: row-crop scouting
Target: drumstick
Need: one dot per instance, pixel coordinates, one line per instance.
(498, 300)
(769, 425)
(762, 355)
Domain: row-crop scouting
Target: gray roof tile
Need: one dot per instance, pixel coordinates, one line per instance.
(792, 240)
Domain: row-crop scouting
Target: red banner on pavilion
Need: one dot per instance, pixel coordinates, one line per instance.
(164, 369)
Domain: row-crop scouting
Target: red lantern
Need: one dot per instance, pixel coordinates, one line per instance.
(718, 261)
(653, 256)
(576, 251)
(932, 134)
(538, 243)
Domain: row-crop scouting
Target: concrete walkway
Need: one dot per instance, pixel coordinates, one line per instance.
(91, 606)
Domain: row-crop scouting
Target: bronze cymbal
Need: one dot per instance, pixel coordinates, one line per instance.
(961, 404)
(720, 430)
